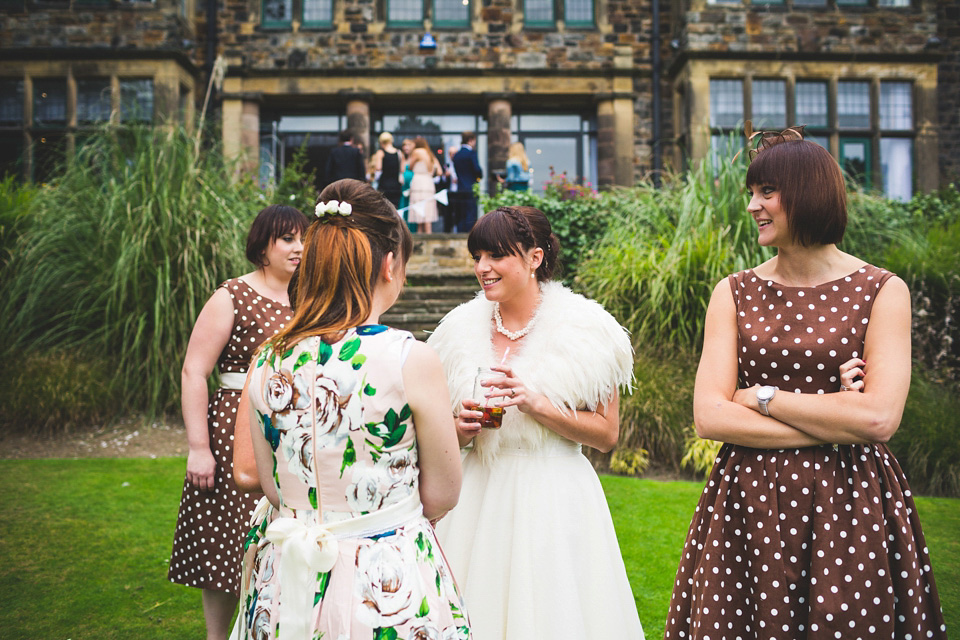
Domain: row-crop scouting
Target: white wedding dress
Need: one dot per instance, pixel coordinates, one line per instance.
(531, 542)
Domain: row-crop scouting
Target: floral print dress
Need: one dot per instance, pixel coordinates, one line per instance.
(345, 469)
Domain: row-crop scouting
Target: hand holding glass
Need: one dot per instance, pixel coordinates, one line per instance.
(492, 411)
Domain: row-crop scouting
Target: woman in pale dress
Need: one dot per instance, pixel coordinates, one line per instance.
(531, 542)
(354, 448)
(423, 192)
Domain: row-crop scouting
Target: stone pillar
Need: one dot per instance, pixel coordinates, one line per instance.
(250, 137)
(606, 144)
(499, 113)
(615, 134)
(241, 131)
(358, 119)
(231, 114)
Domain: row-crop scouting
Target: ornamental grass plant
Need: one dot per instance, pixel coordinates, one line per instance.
(120, 253)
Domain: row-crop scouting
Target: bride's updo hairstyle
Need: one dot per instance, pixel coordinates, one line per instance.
(343, 251)
(514, 230)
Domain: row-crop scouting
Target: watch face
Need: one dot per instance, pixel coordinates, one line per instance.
(765, 393)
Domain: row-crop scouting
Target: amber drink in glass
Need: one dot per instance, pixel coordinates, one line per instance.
(492, 411)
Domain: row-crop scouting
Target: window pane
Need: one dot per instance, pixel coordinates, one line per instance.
(769, 104)
(404, 11)
(452, 11)
(556, 155)
(93, 100)
(578, 11)
(11, 103)
(48, 156)
(11, 154)
(809, 3)
(823, 141)
(542, 122)
(893, 3)
(49, 103)
(855, 160)
(726, 103)
(136, 100)
(318, 11)
(723, 148)
(812, 104)
(277, 11)
(896, 163)
(896, 106)
(538, 10)
(861, 3)
(853, 104)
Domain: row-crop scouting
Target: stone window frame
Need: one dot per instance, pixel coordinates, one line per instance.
(832, 136)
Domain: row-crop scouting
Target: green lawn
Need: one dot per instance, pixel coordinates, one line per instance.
(84, 546)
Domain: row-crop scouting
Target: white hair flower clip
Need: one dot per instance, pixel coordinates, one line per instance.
(333, 207)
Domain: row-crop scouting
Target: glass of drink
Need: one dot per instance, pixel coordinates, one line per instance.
(492, 411)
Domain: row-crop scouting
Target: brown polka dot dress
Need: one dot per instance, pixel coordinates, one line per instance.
(818, 542)
(211, 525)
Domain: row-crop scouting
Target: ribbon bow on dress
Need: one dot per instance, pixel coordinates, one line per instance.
(306, 550)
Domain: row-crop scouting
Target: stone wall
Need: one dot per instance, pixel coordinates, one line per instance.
(130, 26)
(766, 29)
(948, 93)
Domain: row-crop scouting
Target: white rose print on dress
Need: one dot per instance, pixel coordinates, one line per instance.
(388, 584)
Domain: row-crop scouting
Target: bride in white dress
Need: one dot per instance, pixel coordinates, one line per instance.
(531, 542)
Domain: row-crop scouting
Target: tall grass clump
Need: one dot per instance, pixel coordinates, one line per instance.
(665, 250)
(15, 213)
(122, 251)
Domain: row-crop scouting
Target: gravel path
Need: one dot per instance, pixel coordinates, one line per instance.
(132, 438)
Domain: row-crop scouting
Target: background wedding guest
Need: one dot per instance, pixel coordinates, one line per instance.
(806, 527)
(467, 166)
(345, 160)
(423, 191)
(389, 165)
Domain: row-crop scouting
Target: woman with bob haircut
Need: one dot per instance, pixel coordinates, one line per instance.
(240, 315)
(354, 448)
(806, 527)
(532, 541)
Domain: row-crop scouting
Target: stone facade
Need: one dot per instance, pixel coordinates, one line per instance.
(497, 67)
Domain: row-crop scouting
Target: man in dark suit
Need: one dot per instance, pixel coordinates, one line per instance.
(467, 165)
(345, 160)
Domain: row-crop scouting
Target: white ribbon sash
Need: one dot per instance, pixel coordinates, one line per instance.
(308, 548)
(233, 380)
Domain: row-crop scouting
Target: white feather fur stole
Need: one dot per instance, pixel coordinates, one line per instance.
(577, 355)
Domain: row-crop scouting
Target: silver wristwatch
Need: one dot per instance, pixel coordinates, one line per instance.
(764, 396)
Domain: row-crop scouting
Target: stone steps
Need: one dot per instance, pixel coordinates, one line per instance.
(439, 277)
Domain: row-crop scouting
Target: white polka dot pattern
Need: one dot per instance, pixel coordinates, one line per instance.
(804, 543)
(211, 525)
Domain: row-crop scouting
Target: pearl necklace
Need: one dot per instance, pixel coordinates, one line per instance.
(513, 335)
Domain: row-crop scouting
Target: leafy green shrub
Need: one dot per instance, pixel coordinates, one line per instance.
(933, 274)
(699, 453)
(926, 443)
(630, 461)
(57, 391)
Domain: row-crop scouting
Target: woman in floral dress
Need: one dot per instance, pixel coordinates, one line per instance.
(806, 527)
(354, 448)
(242, 312)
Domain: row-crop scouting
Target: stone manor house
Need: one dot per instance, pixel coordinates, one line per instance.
(606, 91)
